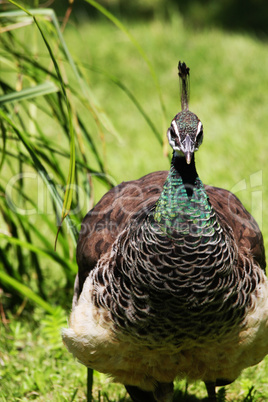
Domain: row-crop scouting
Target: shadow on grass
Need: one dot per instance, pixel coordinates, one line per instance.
(183, 396)
(179, 396)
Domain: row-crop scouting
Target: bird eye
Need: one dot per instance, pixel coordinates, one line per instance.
(172, 133)
(199, 136)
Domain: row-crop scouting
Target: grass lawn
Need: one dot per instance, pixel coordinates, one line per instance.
(229, 93)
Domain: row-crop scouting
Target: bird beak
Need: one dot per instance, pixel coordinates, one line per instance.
(188, 157)
(188, 149)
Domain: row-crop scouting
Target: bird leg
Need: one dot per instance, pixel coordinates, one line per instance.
(211, 391)
(164, 392)
(139, 395)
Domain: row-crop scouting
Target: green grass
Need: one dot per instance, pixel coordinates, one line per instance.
(229, 92)
(35, 366)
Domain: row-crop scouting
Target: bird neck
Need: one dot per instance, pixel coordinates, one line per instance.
(183, 205)
(187, 172)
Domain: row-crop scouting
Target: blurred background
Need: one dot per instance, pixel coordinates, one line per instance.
(95, 87)
(236, 15)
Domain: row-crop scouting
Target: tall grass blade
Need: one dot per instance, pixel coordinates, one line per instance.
(85, 90)
(25, 291)
(4, 135)
(40, 169)
(135, 101)
(44, 253)
(71, 172)
(29, 93)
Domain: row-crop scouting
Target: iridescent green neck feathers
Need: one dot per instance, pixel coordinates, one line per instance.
(179, 213)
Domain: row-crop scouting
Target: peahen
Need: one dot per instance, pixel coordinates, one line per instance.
(171, 279)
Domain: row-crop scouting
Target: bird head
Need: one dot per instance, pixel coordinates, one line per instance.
(185, 134)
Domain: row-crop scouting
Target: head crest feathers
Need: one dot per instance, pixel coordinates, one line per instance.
(184, 74)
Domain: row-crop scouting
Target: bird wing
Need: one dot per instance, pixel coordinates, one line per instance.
(134, 199)
(116, 209)
(246, 231)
